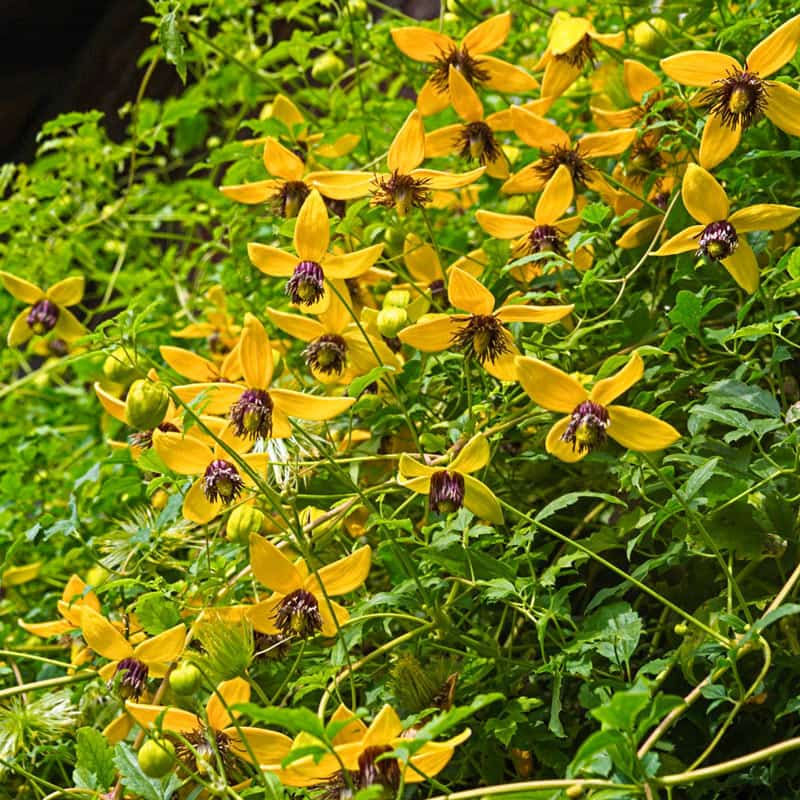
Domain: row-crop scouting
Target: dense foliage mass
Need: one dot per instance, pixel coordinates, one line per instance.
(410, 407)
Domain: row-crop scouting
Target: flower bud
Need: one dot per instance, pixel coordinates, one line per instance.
(327, 68)
(119, 367)
(185, 679)
(156, 757)
(397, 298)
(146, 404)
(243, 521)
(391, 320)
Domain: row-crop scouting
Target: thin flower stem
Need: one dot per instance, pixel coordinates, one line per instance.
(49, 683)
(532, 786)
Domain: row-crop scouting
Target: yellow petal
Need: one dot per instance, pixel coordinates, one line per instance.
(431, 758)
(103, 637)
(681, 242)
(420, 485)
(258, 463)
(411, 468)
(703, 197)
(307, 406)
(444, 181)
(505, 226)
(350, 733)
(783, 107)
(443, 141)
(743, 266)
(763, 217)
(777, 49)
(431, 336)
(185, 455)
(196, 506)
(616, 119)
(498, 167)
(229, 693)
(67, 325)
(346, 574)
(639, 431)
(548, 386)
(559, 75)
(272, 261)
(118, 729)
(473, 456)
(251, 193)
(268, 747)
(383, 729)
(341, 147)
(556, 197)
(352, 265)
(408, 148)
(541, 314)
(304, 328)
(162, 649)
(487, 36)
(312, 233)
(642, 233)
(255, 353)
(112, 405)
(67, 292)
(281, 162)
(262, 615)
(566, 32)
(20, 331)
(717, 142)
(333, 616)
(639, 79)
(172, 719)
(189, 364)
(478, 498)
(537, 131)
(557, 447)
(284, 110)
(698, 67)
(503, 367)
(422, 44)
(55, 628)
(526, 181)
(606, 143)
(463, 97)
(421, 260)
(341, 185)
(23, 290)
(271, 567)
(505, 77)
(217, 397)
(609, 389)
(431, 100)
(468, 294)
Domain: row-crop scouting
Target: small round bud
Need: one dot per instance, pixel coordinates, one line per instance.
(185, 679)
(156, 757)
(574, 791)
(649, 35)
(327, 68)
(119, 367)
(146, 404)
(397, 298)
(243, 521)
(391, 320)
(681, 629)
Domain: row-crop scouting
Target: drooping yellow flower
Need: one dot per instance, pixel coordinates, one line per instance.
(134, 663)
(292, 184)
(736, 96)
(557, 149)
(202, 370)
(545, 232)
(569, 49)
(591, 419)
(220, 329)
(337, 351)
(47, 310)
(451, 487)
(75, 597)
(481, 332)
(469, 58)
(200, 738)
(300, 605)
(313, 265)
(718, 236)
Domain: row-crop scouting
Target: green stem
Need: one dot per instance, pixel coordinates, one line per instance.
(49, 683)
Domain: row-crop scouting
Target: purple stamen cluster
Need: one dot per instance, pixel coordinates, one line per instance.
(446, 492)
(587, 427)
(222, 482)
(42, 317)
(133, 678)
(738, 99)
(307, 284)
(327, 354)
(251, 414)
(718, 240)
(298, 614)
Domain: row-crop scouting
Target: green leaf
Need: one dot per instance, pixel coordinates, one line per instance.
(157, 613)
(95, 760)
(699, 478)
(568, 499)
(688, 311)
(134, 780)
(359, 384)
(595, 213)
(171, 38)
(621, 711)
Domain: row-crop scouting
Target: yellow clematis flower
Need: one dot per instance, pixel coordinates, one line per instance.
(313, 264)
(203, 370)
(718, 235)
(481, 332)
(47, 310)
(469, 59)
(293, 183)
(201, 738)
(569, 49)
(558, 150)
(337, 351)
(542, 233)
(75, 597)
(452, 487)
(591, 418)
(134, 663)
(300, 605)
(736, 96)
(220, 330)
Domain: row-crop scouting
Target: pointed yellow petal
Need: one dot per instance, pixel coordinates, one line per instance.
(474, 455)
(557, 447)
(341, 185)
(286, 111)
(498, 167)
(444, 141)
(777, 49)
(112, 405)
(463, 97)
(197, 508)
(718, 142)
(642, 232)
(103, 637)
(556, 197)
(478, 498)
(411, 468)
(421, 260)
(255, 353)
(431, 758)
(566, 32)
(346, 574)
(420, 485)
(703, 197)
(407, 151)
(468, 294)
(307, 406)
(743, 266)
(312, 233)
(548, 386)
(541, 314)
(67, 292)
(606, 143)
(327, 610)
(505, 77)
(185, 455)
(505, 226)
(383, 729)
(229, 693)
(698, 67)
(352, 732)
(763, 217)
(272, 261)
(352, 265)
(526, 181)
(537, 131)
(172, 719)
(422, 44)
(251, 193)
(783, 108)
(271, 567)
(431, 336)
(162, 649)
(217, 397)
(118, 729)
(487, 36)
(503, 367)
(431, 100)
(609, 389)
(55, 628)
(681, 242)
(616, 119)
(67, 326)
(444, 181)
(341, 147)
(20, 331)
(639, 431)
(23, 290)
(262, 615)
(639, 79)
(559, 75)
(268, 747)
(304, 328)
(188, 364)
(281, 162)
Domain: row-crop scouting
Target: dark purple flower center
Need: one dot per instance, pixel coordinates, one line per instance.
(446, 492)
(438, 292)
(477, 142)
(327, 354)
(483, 336)
(298, 614)
(307, 284)
(198, 750)
(738, 99)
(460, 58)
(587, 427)
(133, 678)
(222, 482)
(545, 239)
(251, 414)
(371, 771)
(401, 192)
(290, 198)
(718, 240)
(42, 317)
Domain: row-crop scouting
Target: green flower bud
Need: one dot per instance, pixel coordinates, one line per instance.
(327, 68)
(185, 679)
(397, 298)
(243, 521)
(391, 320)
(156, 757)
(146, 404)
(119, 367)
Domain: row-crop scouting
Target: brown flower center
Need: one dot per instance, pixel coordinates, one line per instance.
(403, 192)
(579, 54)
(738, 99)
(470, 68)
(483, 336)
(571, 158)
(477, 142)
